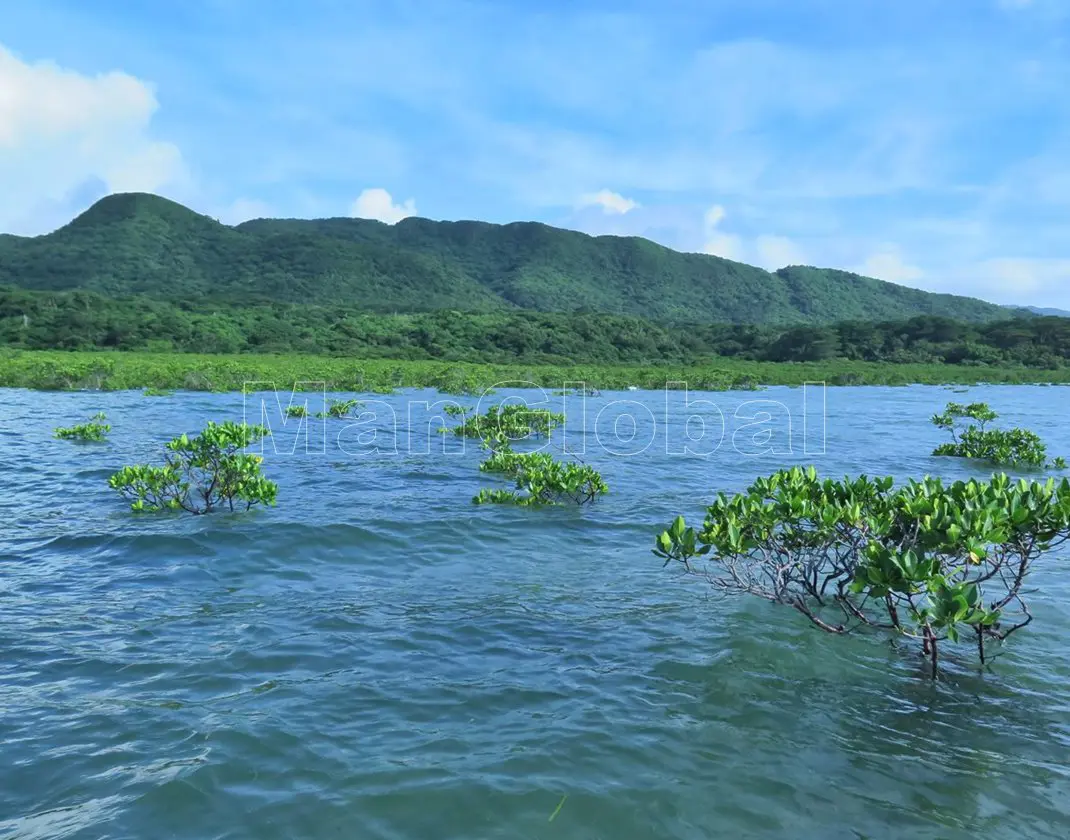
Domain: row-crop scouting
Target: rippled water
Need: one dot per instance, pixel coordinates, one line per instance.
(378, 658)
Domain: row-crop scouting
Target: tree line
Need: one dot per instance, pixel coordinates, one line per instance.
(88, 321)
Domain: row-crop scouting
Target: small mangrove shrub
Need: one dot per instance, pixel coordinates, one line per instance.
(979, 413)
(297, 411)
(540, 479)
(928, 561)
(339, 408)
(1009, 447)
(201, 473)
(157, 392)
(93, 431)
(512, 422)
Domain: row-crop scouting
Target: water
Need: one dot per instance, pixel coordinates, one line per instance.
(378, 658)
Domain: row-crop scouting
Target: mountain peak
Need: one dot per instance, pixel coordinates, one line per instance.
(119, 207)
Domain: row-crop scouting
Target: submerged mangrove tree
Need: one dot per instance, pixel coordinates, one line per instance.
(925, 560)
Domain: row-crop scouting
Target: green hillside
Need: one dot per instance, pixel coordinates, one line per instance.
(138, 244)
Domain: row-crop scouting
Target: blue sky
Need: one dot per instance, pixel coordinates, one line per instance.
(922, 142)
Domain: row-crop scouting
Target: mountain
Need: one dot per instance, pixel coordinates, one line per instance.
(139, 244)
(1043, 310)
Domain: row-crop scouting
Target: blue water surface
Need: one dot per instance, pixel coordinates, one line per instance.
(377, 657)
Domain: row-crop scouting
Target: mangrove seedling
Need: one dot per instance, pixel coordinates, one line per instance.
(93, 431)
(1000, 447)
(201, 473)
(157, 392)
(926, 560)
(296, 411)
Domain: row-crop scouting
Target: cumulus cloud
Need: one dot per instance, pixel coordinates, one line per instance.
(60, 130)
(242, 210)
(718, 243)
(775, 252)
(714, 216)
(610, 202)
(888, 264)
(767, 250)
(1010, 278)
(376, 203)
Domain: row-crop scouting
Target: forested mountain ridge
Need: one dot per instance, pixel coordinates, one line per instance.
(140, 244)
(1043, 310)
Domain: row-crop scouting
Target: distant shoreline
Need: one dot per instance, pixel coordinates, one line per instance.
(115, 371)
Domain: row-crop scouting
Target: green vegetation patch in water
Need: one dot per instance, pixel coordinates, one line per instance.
(94, 431)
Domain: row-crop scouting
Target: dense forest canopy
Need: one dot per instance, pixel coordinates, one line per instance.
(84, 320)
(138, 244)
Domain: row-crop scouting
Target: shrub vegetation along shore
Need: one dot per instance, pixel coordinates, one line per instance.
(59, 370)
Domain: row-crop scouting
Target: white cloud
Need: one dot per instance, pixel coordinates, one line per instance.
(1009, 279)
(148, 169)
(888, 264)
(714, 216)
(1025, 281)
(768, 251)
(724, 245)
(376, 203)
(242, 210)
(610, 202)
(717, 243)
(60, 130)
(775, 252)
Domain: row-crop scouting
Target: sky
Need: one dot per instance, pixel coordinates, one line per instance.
(924, 142)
